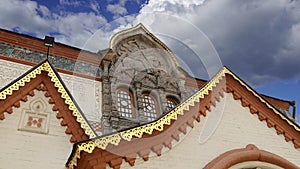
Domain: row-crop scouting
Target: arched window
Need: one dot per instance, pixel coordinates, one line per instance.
(125, 103)
(149, 107)
(171, 103)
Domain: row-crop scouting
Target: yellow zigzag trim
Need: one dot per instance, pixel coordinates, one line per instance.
(46, 67)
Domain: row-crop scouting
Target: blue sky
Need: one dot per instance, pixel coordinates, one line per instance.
(258, 40)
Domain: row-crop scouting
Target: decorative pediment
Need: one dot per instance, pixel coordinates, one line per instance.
(43, 77)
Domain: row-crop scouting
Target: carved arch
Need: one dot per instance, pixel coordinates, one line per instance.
(248, 154)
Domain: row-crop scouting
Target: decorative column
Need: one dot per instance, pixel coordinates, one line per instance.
(106, 97)
(140, 111)
(182, 89)
(114, 116)
(162, 98)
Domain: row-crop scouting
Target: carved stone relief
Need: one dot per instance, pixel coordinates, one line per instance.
(141, 66)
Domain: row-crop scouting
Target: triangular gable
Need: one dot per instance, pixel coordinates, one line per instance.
(68, 110)
(128, 145)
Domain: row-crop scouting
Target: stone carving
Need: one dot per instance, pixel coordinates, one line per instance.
(139, 65)
(129, 46)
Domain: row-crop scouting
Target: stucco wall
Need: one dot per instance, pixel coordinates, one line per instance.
(87, 94)
(9, 71)
(27, 149)
(236, 129)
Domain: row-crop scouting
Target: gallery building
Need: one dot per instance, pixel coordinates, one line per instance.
(133, 106)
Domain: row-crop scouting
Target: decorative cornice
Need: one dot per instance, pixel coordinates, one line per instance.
(32, 74)
(29, 43)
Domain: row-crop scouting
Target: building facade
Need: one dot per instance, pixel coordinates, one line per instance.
(132, 106)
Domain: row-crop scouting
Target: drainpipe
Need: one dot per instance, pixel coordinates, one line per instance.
(293, 104)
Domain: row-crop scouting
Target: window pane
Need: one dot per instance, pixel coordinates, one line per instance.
(124, 102)
(171, 104)
(149, 108)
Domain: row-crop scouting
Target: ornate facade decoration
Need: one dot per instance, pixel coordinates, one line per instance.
(64, 94)
(36, 118)
(147, 72)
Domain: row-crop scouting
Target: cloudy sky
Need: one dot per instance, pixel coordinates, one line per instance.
(259, 40)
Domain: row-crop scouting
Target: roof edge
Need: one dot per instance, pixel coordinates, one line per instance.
(267, 103)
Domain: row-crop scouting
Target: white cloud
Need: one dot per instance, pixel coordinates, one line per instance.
(72, 28)
(75, 29)
(94, 5)
(116, 9)
(171, 6)
(22, 16)
(44, 11)
(70, 2)
(242, 31)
